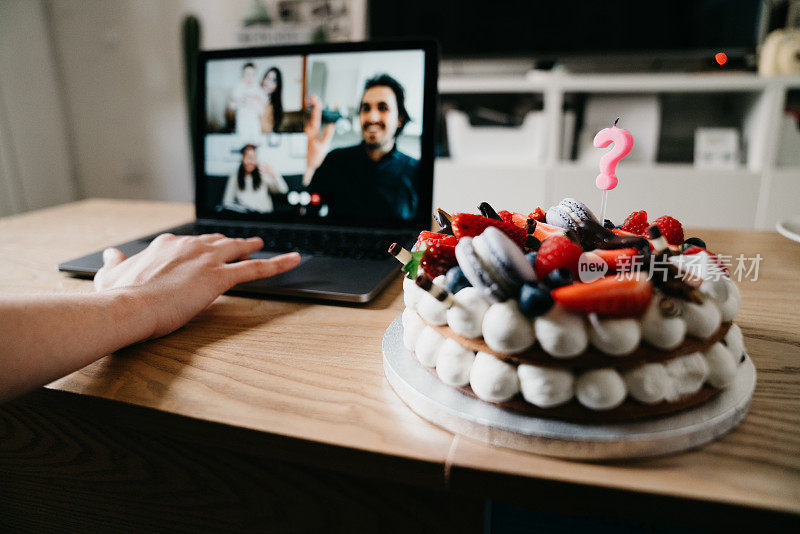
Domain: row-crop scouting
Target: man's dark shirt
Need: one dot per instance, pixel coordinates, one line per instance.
(354, 185)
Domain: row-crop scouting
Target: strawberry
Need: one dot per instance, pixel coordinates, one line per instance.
(544, 230)
(696, 250)
(671, 229)
(438, 258)
(621, 297)
(636, 223)
(538, 214)
(617, 231)
(507, 216)
(620, 257)
(471, 225)
(518, 219)
(556, 252)
(432, 237)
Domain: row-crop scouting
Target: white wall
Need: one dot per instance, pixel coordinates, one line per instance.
(123, 81)
(35, 164)
(122, 66)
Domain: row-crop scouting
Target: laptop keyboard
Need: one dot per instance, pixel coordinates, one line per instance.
(320, 242)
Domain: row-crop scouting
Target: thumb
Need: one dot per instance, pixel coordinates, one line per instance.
(112, 257)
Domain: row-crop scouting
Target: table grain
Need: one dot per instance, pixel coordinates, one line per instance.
(310, 373)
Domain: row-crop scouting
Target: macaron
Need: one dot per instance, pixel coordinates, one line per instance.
(569, 213)
(473, 269)
(495, 263)
(504, 259)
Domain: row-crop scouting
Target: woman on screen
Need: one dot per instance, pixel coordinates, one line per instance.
(272, 84)
(248, 189)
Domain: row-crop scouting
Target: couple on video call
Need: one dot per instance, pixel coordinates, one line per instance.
(258, 108)
(371, 179)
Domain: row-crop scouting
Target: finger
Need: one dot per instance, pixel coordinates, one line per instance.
(248, 270)
(210, 238)
(327, 134)
(112, 257)
(316, 112)
(162, 237)
(233, 249)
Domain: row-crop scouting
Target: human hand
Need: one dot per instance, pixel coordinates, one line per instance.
(179, 276)
(317, 146)
(266, 169)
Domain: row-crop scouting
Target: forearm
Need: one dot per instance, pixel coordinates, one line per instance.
(46, 337)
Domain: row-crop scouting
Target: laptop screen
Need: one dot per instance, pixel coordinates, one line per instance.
(333, 133)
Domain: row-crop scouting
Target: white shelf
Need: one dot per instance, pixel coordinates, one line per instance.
(686, 169)
(622, 83)
(750, 196)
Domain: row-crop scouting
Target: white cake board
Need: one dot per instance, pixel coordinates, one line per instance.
(457, 412)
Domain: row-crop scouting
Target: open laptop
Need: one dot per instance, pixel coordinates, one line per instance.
(366, 182)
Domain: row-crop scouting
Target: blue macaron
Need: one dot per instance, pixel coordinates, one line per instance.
(473, 269)
(496, 263)
(569, 213)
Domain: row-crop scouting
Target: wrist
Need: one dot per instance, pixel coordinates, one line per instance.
(133, 309)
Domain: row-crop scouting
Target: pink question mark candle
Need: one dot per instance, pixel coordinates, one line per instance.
(623, 142)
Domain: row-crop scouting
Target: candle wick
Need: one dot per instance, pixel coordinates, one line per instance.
(616, 121)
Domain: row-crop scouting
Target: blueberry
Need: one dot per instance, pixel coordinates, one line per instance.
(534, 300)
(559, 277)
(531, 258)
(455, 280)
(695, 241)
(608, 224)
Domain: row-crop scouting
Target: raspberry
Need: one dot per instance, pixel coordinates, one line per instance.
(438, 259)
(556, 252)
(636, 223)
(671, 229)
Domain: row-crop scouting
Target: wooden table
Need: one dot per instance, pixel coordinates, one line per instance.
(276, 412)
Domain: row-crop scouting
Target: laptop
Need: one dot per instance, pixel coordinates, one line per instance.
(324, 149)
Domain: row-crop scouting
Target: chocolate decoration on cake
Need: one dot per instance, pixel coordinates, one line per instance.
(400, 253)
(488, 211)
(443, 220)
(592, 235)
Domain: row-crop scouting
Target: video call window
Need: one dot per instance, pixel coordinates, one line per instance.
(317, 135)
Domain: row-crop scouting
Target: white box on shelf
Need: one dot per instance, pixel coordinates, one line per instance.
(716, 148)
(789, 142)
(640, 115)
(568, 120)
(525, 144)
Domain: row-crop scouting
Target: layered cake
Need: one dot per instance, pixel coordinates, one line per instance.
(558, 314)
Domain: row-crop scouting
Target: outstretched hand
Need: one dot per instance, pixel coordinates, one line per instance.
(318, 146)
(179, 276)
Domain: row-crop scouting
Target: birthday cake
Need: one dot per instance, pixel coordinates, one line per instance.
(558, 314)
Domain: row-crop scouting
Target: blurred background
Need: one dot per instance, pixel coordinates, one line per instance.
(93, 98)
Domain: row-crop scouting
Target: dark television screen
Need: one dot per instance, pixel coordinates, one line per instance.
(554, 29)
